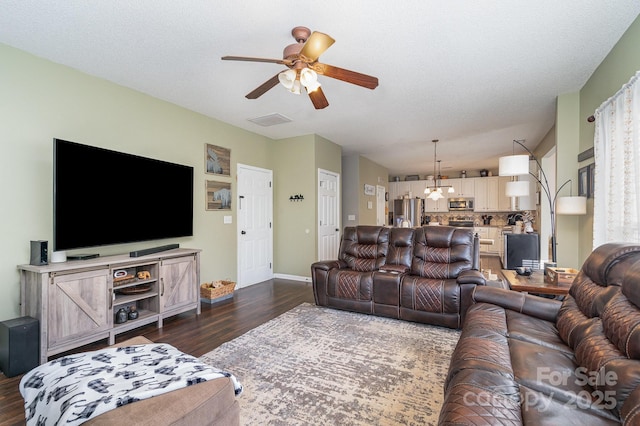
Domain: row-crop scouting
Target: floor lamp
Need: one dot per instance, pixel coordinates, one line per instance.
(518, 165)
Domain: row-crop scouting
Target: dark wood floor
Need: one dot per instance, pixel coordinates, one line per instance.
(196, 335)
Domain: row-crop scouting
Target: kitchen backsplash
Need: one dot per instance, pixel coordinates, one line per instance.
(497, 219)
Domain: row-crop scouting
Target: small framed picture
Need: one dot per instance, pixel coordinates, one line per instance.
(218, 195)
(592, 174)
(583, 181)
(369, 189)
(217, 160)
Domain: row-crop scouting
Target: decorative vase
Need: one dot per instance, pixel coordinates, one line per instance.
(121, 316)
(133, 313)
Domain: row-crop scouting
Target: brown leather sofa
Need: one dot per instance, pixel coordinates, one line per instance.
(422, 274)
(525, 359)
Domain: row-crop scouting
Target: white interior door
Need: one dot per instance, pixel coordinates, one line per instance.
(381, 215)
(255, 225)
(328, 219)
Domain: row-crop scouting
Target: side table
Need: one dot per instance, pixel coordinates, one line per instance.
(534, 283)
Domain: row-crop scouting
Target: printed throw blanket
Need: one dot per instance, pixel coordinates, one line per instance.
(75, 388)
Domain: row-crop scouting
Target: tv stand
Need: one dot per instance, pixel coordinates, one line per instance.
(144, 252)
(77, 302)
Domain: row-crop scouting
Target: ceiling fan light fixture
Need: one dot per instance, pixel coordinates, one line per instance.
(309, 79)
(295, 89)
(287, 78)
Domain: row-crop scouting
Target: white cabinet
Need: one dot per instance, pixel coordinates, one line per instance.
(489, 233)
(490, 194)
(529, 203)
(463, 188)
(437, 206)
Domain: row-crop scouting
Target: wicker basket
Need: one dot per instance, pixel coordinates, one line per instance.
(217, 289)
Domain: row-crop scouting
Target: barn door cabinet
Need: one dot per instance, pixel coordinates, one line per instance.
(76, 302)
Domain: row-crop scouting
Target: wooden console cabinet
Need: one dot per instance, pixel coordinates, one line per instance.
(76, 302)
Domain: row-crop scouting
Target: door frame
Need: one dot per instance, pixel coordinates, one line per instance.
(338, 203)
(238, 227)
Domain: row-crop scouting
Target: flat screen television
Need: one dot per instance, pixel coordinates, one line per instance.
(103, 197)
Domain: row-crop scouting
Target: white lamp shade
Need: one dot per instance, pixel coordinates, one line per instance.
(309, 79)
(513, 165)
(287, 78)
(517, 189)
(451, 190)
(571, 205)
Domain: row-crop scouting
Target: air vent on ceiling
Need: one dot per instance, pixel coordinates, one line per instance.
(270, 120)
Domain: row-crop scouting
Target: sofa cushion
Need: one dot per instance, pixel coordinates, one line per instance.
(348, 284)
(442, 252)
(364, 248)
(534, 330)
(430, 295)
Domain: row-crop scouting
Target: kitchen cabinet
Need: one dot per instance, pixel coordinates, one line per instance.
(490, 194)
(437, 206)
(464, 188)
(489, 233)
(529, 203)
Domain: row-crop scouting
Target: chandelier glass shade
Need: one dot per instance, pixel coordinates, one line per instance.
(293, 79)
(436, 190)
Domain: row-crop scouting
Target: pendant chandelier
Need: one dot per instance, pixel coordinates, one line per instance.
(435, 192)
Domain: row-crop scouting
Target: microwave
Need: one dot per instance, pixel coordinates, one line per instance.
(460, 204)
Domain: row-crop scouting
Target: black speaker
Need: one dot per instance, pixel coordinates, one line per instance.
(39, 253)
(19, 345)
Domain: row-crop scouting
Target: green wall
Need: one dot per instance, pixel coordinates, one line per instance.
(42, 100)
(358, 171)
(622, 62)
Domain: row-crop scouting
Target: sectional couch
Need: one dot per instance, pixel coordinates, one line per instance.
(422, 274)
(522, 359)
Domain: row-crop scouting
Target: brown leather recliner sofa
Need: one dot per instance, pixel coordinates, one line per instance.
(523, 359)
(422, 274)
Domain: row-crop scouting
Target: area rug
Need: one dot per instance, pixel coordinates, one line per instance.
(321, 366)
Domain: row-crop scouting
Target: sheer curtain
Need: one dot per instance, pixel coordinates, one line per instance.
(616, 215)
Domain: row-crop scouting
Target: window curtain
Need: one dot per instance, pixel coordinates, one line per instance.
(616, 215)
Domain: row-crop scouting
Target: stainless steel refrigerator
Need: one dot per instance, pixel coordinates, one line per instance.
(411, 209)
(521, 250)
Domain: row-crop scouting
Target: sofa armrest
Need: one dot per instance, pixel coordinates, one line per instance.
(471, 277)
(395, 269)
(535, 306)
(326, 265)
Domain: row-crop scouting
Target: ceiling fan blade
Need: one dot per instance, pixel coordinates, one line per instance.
(318, 98)
(315, 45)
(263, 88)
(352, 77)
(250, 59)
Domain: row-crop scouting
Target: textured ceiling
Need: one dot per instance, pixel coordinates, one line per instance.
(474, 74)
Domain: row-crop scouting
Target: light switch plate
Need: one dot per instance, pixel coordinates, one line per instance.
(351, 217)
(228, 219)
(369, 205)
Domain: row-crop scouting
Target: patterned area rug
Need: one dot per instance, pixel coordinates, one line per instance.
(320, 366)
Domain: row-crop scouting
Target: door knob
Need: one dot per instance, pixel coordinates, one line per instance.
(243, 232)
(337, 230)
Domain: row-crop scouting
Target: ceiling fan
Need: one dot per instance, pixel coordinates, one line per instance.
(302, 60)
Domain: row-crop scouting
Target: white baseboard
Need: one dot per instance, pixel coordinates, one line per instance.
(292, 277)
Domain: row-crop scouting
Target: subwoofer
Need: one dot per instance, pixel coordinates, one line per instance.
(19, 345)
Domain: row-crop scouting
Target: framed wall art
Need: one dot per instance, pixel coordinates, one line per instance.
(217, 160)
(369, 189)
(218, 195)
(592, 175)
(583, 182)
